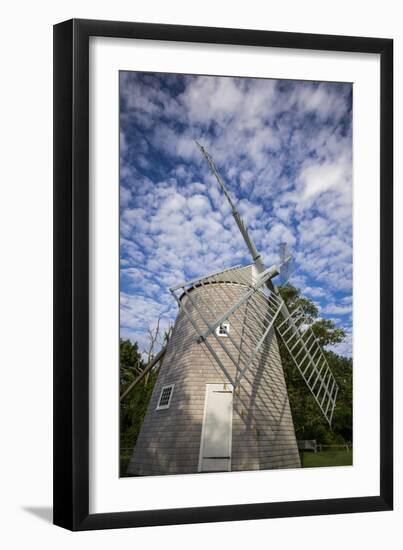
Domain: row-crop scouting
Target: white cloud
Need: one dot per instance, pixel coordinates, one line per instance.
(207, 98)
(125, 196)
(290, 177)
(315, 292)
(277, 234)
(337, 309)
(318, 178)
(199, 205)
(321, 101)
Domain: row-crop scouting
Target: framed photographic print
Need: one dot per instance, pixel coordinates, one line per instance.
(223, 320)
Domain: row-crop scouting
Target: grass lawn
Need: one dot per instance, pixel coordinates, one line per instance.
(338, 457)
(309, 459)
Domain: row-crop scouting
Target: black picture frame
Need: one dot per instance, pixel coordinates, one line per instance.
(71, 274)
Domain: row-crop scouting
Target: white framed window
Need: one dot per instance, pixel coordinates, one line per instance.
(222, 330)
(165, 397)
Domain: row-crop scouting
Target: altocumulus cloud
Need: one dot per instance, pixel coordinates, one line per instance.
(284, 150)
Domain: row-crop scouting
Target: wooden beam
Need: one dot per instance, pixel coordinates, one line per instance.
(150, 365)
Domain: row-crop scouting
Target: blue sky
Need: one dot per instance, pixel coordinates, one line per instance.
(284, 150)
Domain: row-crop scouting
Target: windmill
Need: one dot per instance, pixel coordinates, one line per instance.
(220, 402)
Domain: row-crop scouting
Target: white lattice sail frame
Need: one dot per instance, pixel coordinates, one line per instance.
(308, 357)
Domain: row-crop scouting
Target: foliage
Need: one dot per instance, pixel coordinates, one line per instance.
(293, 299)
(326, 333)
(308, 420)
(130, 362)
(134, 406)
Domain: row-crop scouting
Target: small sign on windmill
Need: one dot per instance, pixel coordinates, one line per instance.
(220, 402)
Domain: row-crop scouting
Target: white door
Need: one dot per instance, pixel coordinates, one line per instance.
(216, 437)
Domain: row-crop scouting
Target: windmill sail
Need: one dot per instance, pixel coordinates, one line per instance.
(310, 361)
(298, 338)
(257, 258)
(286, 263)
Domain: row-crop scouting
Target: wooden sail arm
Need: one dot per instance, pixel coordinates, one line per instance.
(256, 256)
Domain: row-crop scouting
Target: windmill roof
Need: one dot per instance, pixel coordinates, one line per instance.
(243, 275)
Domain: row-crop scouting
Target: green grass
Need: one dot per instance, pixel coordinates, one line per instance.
(326, 458)
(309, 459)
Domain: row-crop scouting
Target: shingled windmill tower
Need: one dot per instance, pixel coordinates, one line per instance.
(220, 402)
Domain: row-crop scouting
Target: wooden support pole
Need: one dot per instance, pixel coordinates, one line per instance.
(150, 365)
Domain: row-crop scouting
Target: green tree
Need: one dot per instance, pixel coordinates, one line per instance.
(134, 406)
(293, 299)
(131, 363)
(308, 420)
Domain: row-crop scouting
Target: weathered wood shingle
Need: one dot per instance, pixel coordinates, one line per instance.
(263, 434)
